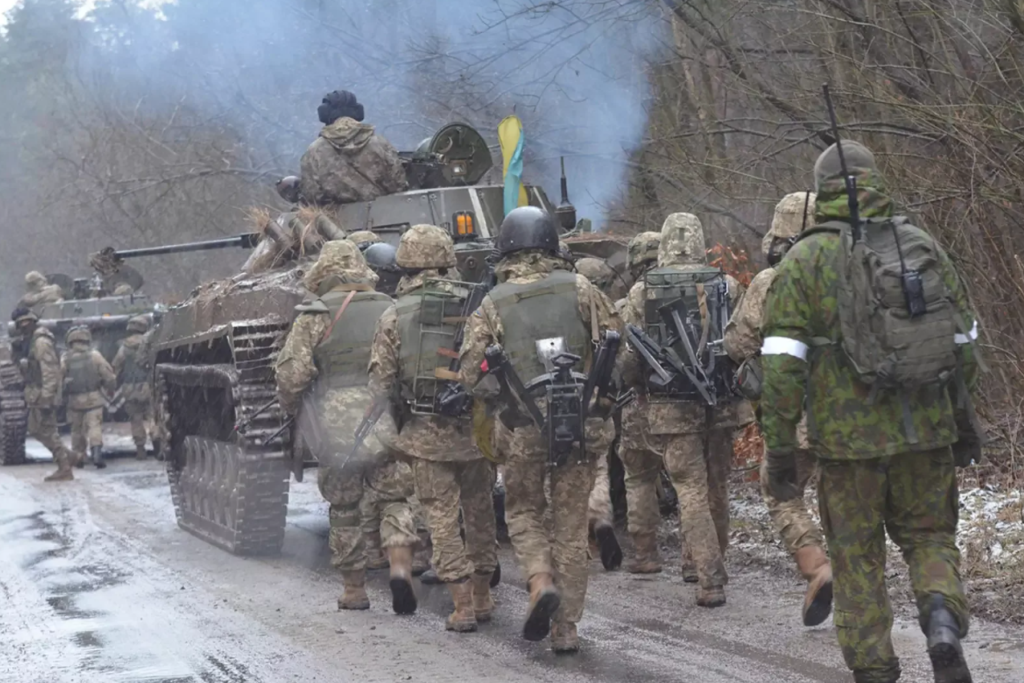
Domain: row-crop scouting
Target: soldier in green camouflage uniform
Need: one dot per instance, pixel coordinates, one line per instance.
(448, 469)
(874, 479)
(326, 353)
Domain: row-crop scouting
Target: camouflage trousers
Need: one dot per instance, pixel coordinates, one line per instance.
(389, 485)
(86, 429)
(792, 520)
(552, 537)
(42, 426)
(141, 415)
(441, 487)
(913, 497)
(699, 472)
(600, 503)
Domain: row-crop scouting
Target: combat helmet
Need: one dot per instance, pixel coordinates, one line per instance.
(528, 228)
(793, 214)
(78, 333)
(643, 252)
(139, 323)
(363, 238)
(425, 247)
(23, 315)
(682, 241)
(381, 258)
(599, 273)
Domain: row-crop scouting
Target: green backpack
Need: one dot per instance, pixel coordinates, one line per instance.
(893, 269)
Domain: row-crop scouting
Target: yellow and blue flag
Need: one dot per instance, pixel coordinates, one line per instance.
(510, 135)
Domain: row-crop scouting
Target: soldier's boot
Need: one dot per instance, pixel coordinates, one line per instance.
(564, 640)
(647, 558)
(63, 473)
(421, 560)
(814, 565)
(462, 619)
(354, 596)
(611, 551)
(78, 459)
(944, 647)
(403, 597)
(140, 451)
(689, 567)
(375, 558)
(496, 574)
(544, 602)
(97, 457)
(713, 596)
(158, 449)
(483, 603)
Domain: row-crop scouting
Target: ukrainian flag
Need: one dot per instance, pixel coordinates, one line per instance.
(510, 135)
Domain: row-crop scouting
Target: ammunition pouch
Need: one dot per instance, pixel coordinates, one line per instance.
(749, 379)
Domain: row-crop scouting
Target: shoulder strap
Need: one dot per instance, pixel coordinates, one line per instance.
(337, 317)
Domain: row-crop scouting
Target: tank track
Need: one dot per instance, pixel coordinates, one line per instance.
(13, 415)
(234, 495)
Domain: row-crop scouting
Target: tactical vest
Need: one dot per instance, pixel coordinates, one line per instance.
(544, 309)
(428, 320)
(135, 369)
(82, 375)
(342, 358)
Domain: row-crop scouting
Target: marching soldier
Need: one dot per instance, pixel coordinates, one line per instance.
(86, 375)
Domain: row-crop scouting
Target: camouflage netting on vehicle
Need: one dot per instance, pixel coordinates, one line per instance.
(290, 236)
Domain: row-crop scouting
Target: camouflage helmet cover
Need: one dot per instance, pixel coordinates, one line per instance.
(342, 259)
(425, 247)
(23, 314)
(643, 249)
(363, 238)
(79, 333)
(597, 272)
(682, 241)
(35, 280)
(793, 213)
(139, 323)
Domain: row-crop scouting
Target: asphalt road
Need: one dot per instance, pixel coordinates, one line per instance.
(98, 584)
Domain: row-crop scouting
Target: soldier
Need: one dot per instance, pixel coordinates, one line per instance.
(321, 377)
(448, 468)
(793, 521)
(537, 299)
(363, 238)
(133, 372)
(642, 465)
(883, 446)
(40, 368)
(39, 291)
(349, 162)
(694, 442)
(601, 519)
(86, 375)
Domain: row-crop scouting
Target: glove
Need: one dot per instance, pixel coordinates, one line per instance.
(967, 450)
(782, 475)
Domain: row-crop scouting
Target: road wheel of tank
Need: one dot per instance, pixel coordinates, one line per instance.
(230, 497)
(13, 415)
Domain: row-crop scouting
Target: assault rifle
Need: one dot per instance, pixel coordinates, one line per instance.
(453, 400)
(371, 417)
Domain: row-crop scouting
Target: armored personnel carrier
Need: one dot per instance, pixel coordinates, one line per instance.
(230, 450)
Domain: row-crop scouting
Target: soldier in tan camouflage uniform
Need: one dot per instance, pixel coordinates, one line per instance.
(696, 456)
(134, 381)
(43, 389)
(363, 238)
(321, 377)
(86, 375)
(39, 291)
(800, 534)
(349, 162)
(447, 466)
(537, 299)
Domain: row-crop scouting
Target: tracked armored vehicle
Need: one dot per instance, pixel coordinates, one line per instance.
(230, 449)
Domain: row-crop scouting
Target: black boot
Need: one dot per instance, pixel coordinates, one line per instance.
(944, 644)
(611, 551)
(97, 457)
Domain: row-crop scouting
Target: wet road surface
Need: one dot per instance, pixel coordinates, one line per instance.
(98, 584)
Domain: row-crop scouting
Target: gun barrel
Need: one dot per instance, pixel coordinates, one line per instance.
(243, 241)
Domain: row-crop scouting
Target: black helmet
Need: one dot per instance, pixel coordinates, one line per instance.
(528, 228)
(381, 258)
(337, 104)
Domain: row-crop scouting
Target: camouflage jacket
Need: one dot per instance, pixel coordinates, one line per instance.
(133, 347)
(50, 294)
(350, 163)
(42, 378)
(802, 307)
(92, 399)
(743, 333)
(430, 437)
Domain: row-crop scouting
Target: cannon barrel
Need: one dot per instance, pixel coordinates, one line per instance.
(245, 241)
